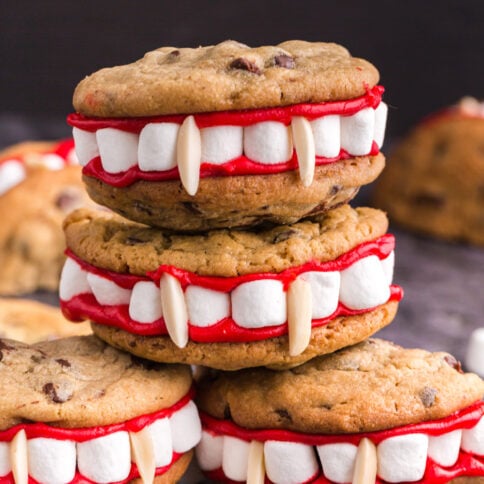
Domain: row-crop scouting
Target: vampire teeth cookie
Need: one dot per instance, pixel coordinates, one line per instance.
(434, 181)
(231, 299)
(374, 412)
(81, 411)
(228, 135)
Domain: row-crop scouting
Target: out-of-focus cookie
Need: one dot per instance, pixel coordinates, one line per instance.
(231, 299)
(80, 410)
(228, 135)
(32, 208)
(434, 181)
(31, 321)
(374, 412)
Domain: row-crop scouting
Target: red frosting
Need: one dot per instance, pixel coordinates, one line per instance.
(85, 306)
(62, 149)
(466, 465)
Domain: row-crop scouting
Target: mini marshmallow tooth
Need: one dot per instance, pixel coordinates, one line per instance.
(357, 132)
(260, 303)
(106, 292)
(5, 467)
(118, 149)
(365, 464)
(12, 172)
(85, 145)
(381, 113)
(388, 264)
(105, 459)
(143, 453)
(189, 154)
(53, 162)
(289, 462)
(325, 292)
(52, 460)
(444, 449)
(327, 135)
(186, 429)
(72, 158)
(222, 143)
(145, 302)
(157, 146)
(209, 451)
(303, 139)
(160, 431)
(473, 439)
(206, 306)
(269, 142)
(338, 461)
(174, 309)
(73, 280)
(475, 352)
(235, 458)
(255, 468)
(402, 458)
(364, 284)
(18, 458)
(299, 311)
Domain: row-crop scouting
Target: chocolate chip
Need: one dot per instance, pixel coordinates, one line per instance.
(441, 147)
(174, 53)
(54, 394)
(68, 200)
(427, 395)
(284, 414)
(63, 363)
(282, 236)
(130, 240)
(192, 208)
(138, 206)
(335, 189)
(245, 65)
(5, 346)
(37, 358)
(451, 361)
(227, 413)
(429, 199)
(284, 60)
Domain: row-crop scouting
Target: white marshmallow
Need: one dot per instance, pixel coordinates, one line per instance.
(205, 306)
(209, 451)
(118, 149)
(473, 439)
(324, 290)
(72, 158)
(221, 143)
(363, 284)
(403, 458)
(52, 161)
(259, 303)
(475, 352)
(338, 461)
(235, 458)
(12, 172)
(268, 142)
(444, 449)
(86, 145)
(327, 135)
(73, 280)
(5, 467)
(381, 113)
(388, 264)
(289, 462)
(357, 132)
(160, 431)
(157, 146)
(105, 459)
(145, 302)
(107, 292)
(186, 429)
(52, 460)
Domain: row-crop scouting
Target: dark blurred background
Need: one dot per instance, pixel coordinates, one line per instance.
(429, 53)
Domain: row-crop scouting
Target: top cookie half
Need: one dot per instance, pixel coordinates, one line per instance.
(227, 76)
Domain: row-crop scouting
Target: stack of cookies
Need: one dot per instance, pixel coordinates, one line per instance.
(234, 248)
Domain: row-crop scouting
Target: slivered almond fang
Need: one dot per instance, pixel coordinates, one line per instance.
(302, 135)
(144, 455)
(255, 469)
(366, 463)
(299, 316)
(174, 309)
(189, 154)
(18, 458)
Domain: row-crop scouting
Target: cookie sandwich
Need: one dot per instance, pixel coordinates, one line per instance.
(433, 183)
(228, 135)
(371, 413)
(231, 299)
(78, 411)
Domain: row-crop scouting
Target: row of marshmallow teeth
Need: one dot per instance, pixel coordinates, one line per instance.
(395, 459)
(103, 459)
(262, 303)
(163, 146)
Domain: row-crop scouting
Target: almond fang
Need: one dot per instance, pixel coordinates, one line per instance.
(365, 463)
(255, 469)
(143, 453)
(189, 154)
(302, 135)
(18, 457)
(299, 316)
